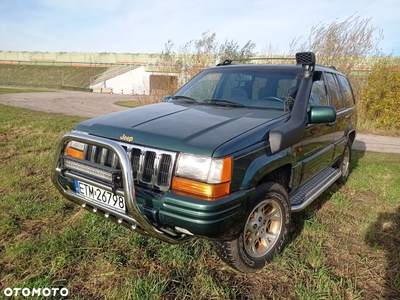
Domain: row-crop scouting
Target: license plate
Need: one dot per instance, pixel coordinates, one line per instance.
(100, 196)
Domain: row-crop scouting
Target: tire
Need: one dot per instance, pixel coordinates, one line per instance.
(344, 163)
(263, 234)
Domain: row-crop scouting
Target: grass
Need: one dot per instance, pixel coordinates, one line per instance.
(16, 90)
(344, 246)
(129, 104)
(141, 100)
(48, 76)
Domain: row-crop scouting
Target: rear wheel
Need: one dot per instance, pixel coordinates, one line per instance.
(263, 234)
(344, 163)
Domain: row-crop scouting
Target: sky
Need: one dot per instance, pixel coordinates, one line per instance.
(145, 26)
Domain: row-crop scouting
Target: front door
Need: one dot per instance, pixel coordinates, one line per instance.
(317, 145)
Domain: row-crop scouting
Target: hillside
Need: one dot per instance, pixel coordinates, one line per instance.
(58, 77)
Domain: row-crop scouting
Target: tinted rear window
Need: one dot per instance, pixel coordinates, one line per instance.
(346, 90)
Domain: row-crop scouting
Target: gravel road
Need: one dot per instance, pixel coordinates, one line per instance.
(82, 104)
(91, 105)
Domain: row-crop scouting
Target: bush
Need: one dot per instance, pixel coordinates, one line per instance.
(381, 96)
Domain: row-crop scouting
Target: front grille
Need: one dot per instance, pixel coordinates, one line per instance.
(150, 167)
(101, 156)
(153, 167)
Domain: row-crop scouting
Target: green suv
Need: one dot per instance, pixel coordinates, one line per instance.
(228, 157)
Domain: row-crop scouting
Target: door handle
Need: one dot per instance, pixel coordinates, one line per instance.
(331, 124)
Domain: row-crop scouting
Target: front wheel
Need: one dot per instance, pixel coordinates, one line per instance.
(263, 234)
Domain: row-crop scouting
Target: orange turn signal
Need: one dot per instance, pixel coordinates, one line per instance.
(200, 188)
(74, 153)
(227, 169)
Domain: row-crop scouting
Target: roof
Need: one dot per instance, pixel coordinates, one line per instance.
(274, 66)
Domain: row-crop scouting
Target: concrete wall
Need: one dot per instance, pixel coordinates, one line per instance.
(136, 81)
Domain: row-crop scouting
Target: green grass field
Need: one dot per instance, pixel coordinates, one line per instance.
(48, 76)
(346, 245)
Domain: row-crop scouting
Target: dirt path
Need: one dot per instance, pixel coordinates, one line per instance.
(377, 143)
(80, 104)
(91, 105)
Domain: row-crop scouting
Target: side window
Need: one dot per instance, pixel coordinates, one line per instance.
(347, 92)
(318, 94)
(333, 87)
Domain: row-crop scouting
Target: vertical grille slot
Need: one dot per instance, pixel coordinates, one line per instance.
(136, 162)
(114, 161)
(104, 156)
(148, 170)
(111, 159)
(164, 170)
(91, 154)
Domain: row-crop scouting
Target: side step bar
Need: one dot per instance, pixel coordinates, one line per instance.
(307, 193)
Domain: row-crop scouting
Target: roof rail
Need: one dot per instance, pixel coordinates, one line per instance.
(225, 62)
(230, 61)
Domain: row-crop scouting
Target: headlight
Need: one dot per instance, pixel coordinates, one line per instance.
(193, 166)
(201, 175)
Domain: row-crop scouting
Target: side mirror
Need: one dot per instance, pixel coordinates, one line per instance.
(166, 98)
(321, 114)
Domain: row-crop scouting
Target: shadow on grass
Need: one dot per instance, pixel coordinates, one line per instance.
(384, 234)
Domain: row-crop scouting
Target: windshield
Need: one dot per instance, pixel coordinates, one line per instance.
(258, 87)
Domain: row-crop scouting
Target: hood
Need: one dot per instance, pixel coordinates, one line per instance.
(197, 129)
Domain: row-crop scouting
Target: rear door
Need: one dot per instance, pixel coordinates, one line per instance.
(343, 101)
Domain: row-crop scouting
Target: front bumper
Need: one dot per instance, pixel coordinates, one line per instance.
(169, 216)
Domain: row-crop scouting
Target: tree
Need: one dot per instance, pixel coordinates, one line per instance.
(231, 50)
(198, 54)
(168, 61)
(342, 44)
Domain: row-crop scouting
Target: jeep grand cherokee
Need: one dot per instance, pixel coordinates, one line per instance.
(228, 157)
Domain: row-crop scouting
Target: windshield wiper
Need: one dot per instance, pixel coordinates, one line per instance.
(223, 102)
(184, 98)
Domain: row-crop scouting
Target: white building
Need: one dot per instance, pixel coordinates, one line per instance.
(135, 80)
